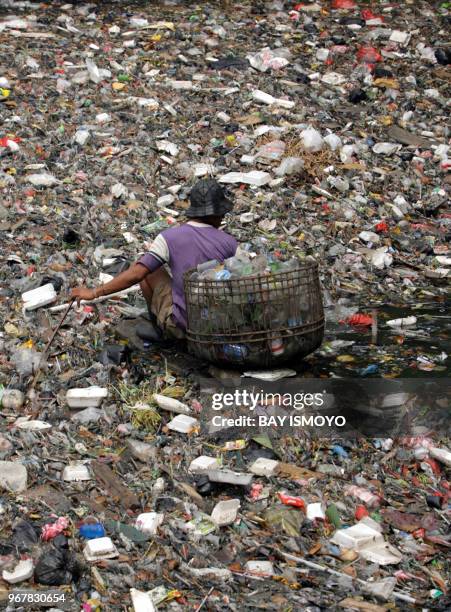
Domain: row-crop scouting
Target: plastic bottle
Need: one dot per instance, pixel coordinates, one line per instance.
(277, 347)
(238, 266)
(291, 265)
(207, 265)
(259, 264)
(222, 275)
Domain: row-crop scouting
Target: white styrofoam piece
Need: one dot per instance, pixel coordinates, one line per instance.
(183, 423)
(13, 476)
(148, 522)
(39, 297)
(315, 511)
(382, 554)
(357, 537)
(265, 98)
(262, 568)
(76, 472)
(264, 467)
(90, 397)
(31, 425)
(23, 571)
(141, 601)
(105, 278)
(171, 405)
(402, 38)
(255, 177)
(203, 463)
(224, 513)
(100, 548)
(230, 477)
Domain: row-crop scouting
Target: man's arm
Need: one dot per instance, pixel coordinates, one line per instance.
(135, 274)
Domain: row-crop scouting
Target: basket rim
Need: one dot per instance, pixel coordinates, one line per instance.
(312, 264)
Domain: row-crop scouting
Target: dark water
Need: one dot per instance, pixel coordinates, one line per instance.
(420, 350)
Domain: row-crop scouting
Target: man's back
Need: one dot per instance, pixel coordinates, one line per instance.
(184, 247)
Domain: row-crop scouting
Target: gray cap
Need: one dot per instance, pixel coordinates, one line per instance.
(207, 198)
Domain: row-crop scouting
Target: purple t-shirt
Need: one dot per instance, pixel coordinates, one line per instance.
(184, 247)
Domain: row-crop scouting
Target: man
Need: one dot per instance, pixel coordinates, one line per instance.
(181, 248)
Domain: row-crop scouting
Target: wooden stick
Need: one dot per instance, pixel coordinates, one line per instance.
(49, 343)
(102, 298)
(322, 568)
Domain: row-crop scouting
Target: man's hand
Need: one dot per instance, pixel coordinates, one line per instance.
(135, 274)
(82, 293)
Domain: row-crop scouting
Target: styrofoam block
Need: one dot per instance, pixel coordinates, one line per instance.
(100, 548)
(263, 568)
(148, 522)
(230, 477)
(142, 602)
(255, 177)
(264, 467)
(315, 511)
(381, 553)
(23, 571)
(224, 513)
(357, 537)
(183, 423)
(86, 398)
(203, 463)
(76, 472)
(39, 297)
(13, 476)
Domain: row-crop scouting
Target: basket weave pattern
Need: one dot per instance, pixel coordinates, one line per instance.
(258, 320)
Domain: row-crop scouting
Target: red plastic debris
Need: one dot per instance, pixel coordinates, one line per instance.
(343, 4)
(361, 512)
(381, 227)
(360, 319)
(289, 500)
(51, 530)
(368, 55)
(367, 15)
(256, 491)
(4, 140)
(419, 533)
(434, 465)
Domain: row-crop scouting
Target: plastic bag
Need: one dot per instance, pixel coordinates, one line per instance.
(266, 58)
(290, 165)
(368, 55)
(56, 565)
(333, 141)
(51, 530)
(26, 361)
(272, 150)
(360, 319)
(312, 140)
(24, 536)
(42, 180)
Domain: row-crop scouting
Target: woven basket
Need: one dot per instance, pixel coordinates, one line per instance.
(261, 320)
